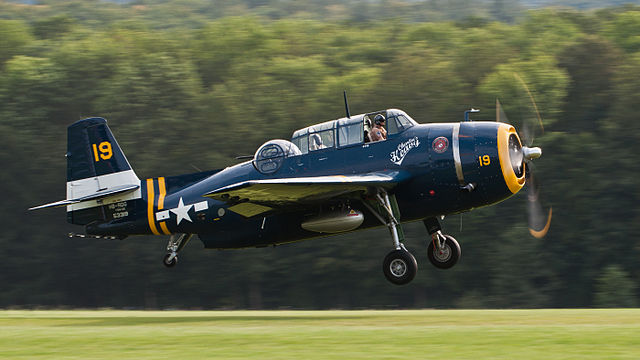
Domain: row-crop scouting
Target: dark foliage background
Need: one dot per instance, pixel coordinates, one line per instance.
(192, 84)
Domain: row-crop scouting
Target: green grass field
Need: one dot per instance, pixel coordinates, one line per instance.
(426, 334)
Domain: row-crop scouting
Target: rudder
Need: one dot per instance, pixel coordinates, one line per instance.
(96, 165)
(92, 150)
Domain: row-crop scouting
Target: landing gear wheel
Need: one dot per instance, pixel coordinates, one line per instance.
(399, 267)
(169, 263)
(447, 255)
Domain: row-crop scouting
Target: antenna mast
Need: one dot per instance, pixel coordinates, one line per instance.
(346, 104)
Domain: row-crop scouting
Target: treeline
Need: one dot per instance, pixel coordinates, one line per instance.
(166, 14)
(195, 97)
(172, 14)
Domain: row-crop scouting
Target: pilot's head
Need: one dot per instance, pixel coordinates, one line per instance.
(316, 141)
(379, 119)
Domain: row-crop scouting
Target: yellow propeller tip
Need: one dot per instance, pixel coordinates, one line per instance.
(539, 234)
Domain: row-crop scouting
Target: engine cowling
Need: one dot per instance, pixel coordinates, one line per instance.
(334, 221)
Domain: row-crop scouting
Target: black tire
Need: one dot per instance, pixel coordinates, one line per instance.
(171, 263)
(400, 267)
(449, 255)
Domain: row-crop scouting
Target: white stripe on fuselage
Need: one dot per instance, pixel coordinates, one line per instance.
(89, 186)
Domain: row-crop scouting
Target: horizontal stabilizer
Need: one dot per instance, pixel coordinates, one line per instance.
(97, 195)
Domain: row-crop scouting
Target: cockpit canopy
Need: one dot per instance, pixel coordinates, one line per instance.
(348, 131)
(270, 156)
(339, 133)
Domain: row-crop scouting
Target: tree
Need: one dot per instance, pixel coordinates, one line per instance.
(623, 30)
(14, 37)
(591, 64)
(222, 43)
(437, 93)
(53, 27)
(181, 87)
(614, 288)
(515, 81)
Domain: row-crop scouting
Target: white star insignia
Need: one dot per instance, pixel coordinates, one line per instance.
(182, 211)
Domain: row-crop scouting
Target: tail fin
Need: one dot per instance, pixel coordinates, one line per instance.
(93, 151)
(98, 174)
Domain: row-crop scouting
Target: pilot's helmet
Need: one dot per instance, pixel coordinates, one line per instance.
(379, 119)
(316, 140)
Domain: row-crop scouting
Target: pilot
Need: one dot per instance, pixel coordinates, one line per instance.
(315, 142)
(378, 132)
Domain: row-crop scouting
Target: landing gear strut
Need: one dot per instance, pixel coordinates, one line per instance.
(443, 250)
(176, 243)
(399, 266)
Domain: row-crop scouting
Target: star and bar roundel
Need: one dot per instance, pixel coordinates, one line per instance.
(158, 216)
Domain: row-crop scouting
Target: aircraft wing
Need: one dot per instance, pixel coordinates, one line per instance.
(254, 197)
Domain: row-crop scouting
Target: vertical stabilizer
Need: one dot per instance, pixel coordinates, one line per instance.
(92, 150)
(96, 165)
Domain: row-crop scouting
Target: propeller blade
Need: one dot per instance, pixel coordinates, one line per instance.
(529, 124)
(500, 115)
(539, 220)
(532, 121)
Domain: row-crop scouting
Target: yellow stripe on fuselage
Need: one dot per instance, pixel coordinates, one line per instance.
(164, 228)
(163, 192)
(150, 203)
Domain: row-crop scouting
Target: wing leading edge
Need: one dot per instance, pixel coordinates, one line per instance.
(254, 197)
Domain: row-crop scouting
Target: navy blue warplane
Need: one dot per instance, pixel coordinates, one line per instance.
(330, 178)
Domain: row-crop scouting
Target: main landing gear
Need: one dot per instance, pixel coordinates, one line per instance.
(176, 243)
(400, 266)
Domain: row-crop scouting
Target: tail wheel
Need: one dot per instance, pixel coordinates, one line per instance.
(169, 261)
(446, 255)
(399, 267)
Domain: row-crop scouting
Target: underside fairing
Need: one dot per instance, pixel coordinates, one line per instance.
(275, 229)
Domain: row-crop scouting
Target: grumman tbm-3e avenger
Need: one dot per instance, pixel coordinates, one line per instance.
(330, 178)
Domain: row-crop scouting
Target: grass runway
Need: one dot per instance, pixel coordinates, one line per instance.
(419, 334)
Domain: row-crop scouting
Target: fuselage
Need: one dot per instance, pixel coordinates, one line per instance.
(448, 167)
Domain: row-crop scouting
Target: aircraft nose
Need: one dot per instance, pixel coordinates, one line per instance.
(512, 155)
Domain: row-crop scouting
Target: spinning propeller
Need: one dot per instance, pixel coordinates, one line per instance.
(522, 156)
